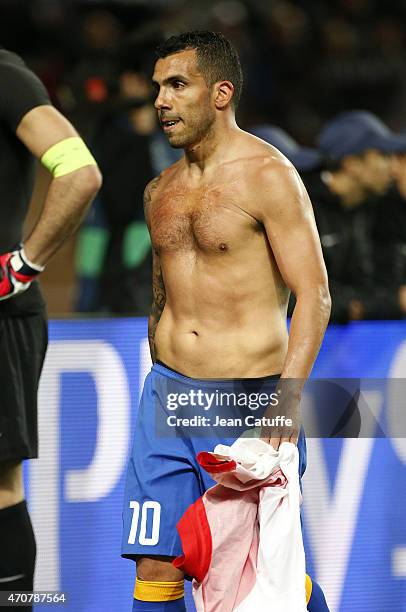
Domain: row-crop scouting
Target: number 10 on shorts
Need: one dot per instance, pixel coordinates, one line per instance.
(154, 509)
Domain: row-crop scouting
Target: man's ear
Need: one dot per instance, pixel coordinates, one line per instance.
(223, 93)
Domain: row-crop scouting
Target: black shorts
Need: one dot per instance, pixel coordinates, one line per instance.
(23, 344)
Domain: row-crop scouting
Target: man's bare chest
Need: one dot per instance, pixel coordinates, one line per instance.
(213, 219)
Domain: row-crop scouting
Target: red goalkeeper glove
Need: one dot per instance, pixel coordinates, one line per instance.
(16, 273)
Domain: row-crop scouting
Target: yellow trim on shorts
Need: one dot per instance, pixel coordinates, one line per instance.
(309, 588)
(67, 156)
(158, 591)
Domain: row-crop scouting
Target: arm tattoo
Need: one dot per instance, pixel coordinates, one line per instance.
(149, 190)
(158, 287)
(158, 303)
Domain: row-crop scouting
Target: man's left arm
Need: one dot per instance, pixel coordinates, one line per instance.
(71, 189)
(287, 215)
(43, 130)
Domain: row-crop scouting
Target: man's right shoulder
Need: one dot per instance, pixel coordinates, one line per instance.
(21, 89)
(12, 64)
(160, 181)
(8, 58)
(151, 187)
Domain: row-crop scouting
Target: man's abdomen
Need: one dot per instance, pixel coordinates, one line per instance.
(219, 348)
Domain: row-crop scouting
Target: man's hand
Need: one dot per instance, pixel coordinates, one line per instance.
(284, 418)
(402, 298)
(356, 310)
(16, 273)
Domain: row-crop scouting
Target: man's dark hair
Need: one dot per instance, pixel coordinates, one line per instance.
(217, 59)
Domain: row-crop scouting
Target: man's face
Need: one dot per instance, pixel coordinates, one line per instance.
(377, 174)
(184, 102)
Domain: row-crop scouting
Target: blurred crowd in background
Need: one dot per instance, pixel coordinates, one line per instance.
(305, 62)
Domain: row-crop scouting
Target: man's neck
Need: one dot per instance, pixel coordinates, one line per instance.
(213, 149)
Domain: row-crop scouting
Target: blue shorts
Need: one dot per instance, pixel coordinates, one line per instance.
(163, 475)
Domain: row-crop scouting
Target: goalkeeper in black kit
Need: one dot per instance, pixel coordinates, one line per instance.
(30, 127)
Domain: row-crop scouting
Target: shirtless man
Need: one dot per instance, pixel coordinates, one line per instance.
(233, 232)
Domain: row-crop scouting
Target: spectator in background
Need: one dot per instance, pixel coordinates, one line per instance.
(339, 207)
(390, 239)
(359, 146)
(363, 145)
(114, 254)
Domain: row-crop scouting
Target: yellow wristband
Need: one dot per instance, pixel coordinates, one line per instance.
(67, 156)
